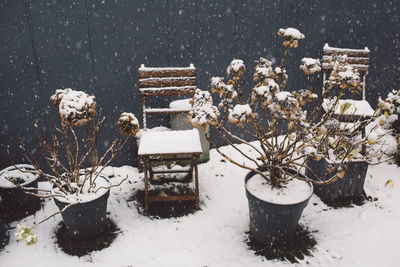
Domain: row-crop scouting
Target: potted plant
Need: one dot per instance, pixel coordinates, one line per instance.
(275, 187)
(391, 107)
(14, 203)
(70, 153)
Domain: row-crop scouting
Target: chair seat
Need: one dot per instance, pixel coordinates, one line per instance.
(358, 108)
(169, 143)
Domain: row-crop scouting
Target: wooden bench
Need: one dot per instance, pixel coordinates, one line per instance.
(358, 59)
(168, 145)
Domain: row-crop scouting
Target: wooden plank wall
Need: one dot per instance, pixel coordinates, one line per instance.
(98, 45)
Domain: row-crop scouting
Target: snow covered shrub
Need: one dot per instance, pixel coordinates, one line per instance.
(391, 106)
(311, 132)
(73, 160)
(70, 153)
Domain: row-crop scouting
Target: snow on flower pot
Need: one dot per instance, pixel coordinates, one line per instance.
(275, 213)
(13, 199)
(347, 188)
(88, 218)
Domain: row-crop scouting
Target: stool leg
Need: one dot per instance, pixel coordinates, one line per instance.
(196, 177)
(146, 186)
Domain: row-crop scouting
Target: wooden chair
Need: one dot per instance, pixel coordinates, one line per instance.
(357, 59)
(167, 145)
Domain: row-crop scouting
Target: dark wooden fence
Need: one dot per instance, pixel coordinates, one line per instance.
(97, 46)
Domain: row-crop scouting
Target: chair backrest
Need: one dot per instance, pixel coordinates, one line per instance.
(165, 81)
(356, 58)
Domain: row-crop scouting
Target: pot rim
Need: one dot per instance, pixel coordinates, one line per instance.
(251, 174)
(97, 196)
(12, 168)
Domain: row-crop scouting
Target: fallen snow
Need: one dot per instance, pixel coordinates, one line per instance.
(167, 142)
(11, 172)
(357, 107)
(294, 192)
(367, 235)
(99, 188)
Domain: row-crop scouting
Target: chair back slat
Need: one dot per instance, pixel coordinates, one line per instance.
(165, 81)
(358, 59)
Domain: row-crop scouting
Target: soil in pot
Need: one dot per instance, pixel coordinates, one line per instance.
(347, 190)
(275, 213)
(15, 204)
(88, 218)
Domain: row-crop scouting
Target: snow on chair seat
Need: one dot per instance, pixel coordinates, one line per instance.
(170, 143)
(358, 108)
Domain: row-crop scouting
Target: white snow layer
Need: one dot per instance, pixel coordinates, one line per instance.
(294, 192)
(367, 235)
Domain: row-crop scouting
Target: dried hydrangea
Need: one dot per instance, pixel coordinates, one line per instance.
(128, 124)
(227, 92)
(56, 98)
(292, 36)
(237, 67)
(263, 70)
(345, 76)
(310, 65)
(75, 107)
(203, 113)
(240, 114)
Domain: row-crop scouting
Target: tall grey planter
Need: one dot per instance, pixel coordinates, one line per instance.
(349, 187)
(179, 121)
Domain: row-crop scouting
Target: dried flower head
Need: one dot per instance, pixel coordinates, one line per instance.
(56, 98)
(236, 67)
(310, 65)
(203, 113)
(292, 36)
(128, 124)
(240, 114)
(75, 107)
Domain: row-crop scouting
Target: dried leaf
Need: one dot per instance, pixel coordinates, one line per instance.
(389, 183)
(340, 174)
(344, 107)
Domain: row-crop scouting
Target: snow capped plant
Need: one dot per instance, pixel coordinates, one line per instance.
(310, 65)
(268, 108)
(24, 233)
(203, 112)
(71, 154)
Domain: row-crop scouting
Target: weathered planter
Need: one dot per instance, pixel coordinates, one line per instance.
(349, 187)
(13, 199)
(87, 219)
(273, 224)
(179, 121)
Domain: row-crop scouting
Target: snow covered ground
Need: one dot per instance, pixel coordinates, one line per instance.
(367, 235)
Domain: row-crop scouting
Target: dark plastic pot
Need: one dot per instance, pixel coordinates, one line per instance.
(348, 188)
(273, 224)
(14, 200)
(85, 220)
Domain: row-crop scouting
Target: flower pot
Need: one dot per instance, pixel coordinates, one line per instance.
(274, 224)
(348, 188)
(88, 218)
(14, 202)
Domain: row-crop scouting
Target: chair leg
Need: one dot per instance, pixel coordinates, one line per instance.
(146, 185)
(196, 177)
